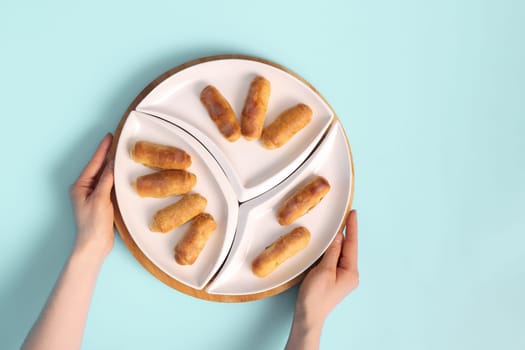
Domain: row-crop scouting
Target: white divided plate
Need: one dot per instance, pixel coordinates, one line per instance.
(252, 169)
(258, 226)
(137, 212)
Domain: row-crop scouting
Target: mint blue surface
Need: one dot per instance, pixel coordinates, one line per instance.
(432, 96)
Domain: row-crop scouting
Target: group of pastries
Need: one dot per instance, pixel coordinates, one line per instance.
(276, 134)
(288, 123)
(298, 204)
(171, 178)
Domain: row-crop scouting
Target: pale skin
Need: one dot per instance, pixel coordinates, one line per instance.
(324, 287)
(61, 323)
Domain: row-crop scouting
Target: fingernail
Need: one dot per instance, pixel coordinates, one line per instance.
(338, 238)
(111, 164)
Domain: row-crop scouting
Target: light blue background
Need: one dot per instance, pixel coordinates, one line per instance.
(431, 93)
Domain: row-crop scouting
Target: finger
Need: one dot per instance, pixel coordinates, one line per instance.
(348, 259)
(105, 183)
(331, 256)
(95, 164)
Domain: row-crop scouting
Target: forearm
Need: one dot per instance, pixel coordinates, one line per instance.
(61, 323)
(304, 335)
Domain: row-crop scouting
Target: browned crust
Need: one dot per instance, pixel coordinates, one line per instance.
(178, 213)
(165, 183)
(221, 113)
(192, 243)
(282, 249)
(303, 200)
(286, 125)
(158, 156)
(255, 107)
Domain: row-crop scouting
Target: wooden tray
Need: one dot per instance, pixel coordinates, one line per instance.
(128, 239)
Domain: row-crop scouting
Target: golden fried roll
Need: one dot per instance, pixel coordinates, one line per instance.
(286, 125)
(164, 183)
(284, 248)
(160, 156)
(191, 244)
(255, 106)
(221, 113)
(304, 199)
(179, 213)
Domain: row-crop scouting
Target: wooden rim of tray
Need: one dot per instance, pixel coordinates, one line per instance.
(123, 230)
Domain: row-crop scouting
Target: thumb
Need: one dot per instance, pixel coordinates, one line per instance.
(331, 256)
(105, 182)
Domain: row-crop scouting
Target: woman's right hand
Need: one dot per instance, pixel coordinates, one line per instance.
(324, 287)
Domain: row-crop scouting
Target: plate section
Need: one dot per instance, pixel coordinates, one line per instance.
(258, 226)
(137, 212)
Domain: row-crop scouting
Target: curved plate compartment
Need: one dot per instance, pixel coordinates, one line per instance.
(137, 212)
(258, 226)
(252, 169)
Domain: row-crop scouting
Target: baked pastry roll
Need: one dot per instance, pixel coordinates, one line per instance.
(302, 200)
(255, 106)
(192, 243)
(282, 249)
(286, 125)
(178, 213)
(221, 113)
(160, 156)
(164, 183)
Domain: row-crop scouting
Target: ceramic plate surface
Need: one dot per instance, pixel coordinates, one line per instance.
(137, 212)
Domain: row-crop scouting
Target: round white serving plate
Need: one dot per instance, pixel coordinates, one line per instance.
(243, 182)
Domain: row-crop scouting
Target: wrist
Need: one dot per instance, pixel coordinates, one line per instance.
(88, 256)
(94, 242)
(307, 317)
(307, 323)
